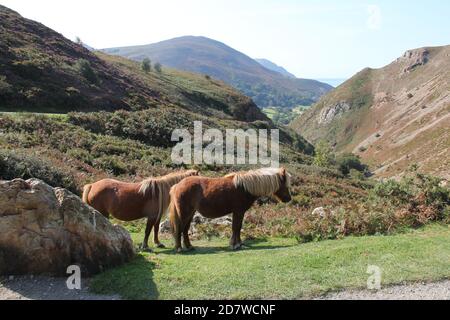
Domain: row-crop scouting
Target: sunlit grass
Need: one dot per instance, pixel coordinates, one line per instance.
(279, 268)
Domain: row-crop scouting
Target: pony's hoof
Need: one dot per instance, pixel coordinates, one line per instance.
(236, 247)
(190, 248)
(178, 250)
(160, 245)
(144, 248)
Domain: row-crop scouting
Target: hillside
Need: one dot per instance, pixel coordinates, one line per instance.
(393, 117)
(274, 67)
(207, 56)
(41, 71)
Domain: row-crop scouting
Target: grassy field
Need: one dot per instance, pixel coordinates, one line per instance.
(284, 116)
(279, 268)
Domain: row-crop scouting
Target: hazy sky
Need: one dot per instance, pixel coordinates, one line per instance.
(310, 38)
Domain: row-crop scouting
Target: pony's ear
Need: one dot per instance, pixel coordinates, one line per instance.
(197, 172)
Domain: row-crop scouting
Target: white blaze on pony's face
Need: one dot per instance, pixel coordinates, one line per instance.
(265, 182)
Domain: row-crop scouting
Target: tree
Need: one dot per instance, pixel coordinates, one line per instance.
(158, 67)
(324, 156)
(146, 65)
(348, 162)
(78, 41)
(84, 67)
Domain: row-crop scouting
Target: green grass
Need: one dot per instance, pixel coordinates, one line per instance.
(26, 114)
(279, 268)
(284, 116)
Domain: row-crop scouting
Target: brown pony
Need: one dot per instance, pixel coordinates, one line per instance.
(131, 201)
(217, 197)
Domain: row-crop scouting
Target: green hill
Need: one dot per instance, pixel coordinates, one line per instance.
(41, 71)
(207, 56)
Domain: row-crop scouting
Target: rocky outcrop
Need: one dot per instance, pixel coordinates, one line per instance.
(43, 230)
(328, 114)
(414, 58)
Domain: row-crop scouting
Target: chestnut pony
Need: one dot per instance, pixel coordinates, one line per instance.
(131, 201)
(216, 197)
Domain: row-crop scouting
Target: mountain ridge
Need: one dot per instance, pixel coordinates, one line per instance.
(216, 59)
(274, 67)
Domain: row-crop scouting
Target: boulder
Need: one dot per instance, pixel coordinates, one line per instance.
(198, 219)
(43, 230)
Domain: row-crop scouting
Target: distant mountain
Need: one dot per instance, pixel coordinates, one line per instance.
(393, 117)
(274, 67)
(42, 71)
(213, 58)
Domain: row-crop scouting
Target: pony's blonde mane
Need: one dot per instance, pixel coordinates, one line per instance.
(261, 182)
(152, 187)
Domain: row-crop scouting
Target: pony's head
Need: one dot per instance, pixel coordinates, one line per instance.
(283, 194)
(266, 182)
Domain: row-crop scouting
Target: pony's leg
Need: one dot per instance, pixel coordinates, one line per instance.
(187, 226)
(148, 229)
(235, 242)
(158, 244)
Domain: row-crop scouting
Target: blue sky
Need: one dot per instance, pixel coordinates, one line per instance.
(310, 38)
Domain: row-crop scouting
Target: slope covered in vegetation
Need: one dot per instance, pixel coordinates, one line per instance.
(392, 117)
(41, 71)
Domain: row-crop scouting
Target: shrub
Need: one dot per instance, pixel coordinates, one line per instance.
(111, 164)
(84, 67)
(323, 155)
(146, 65)
(348, 162)
(5, 87)
(18, 165)
(158, 67)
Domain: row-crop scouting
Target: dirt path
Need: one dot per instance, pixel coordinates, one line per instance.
(43, 288)
(417, 291)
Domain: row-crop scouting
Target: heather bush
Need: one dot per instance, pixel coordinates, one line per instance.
(18, 165)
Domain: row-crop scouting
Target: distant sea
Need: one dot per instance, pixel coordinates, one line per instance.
(333, 82)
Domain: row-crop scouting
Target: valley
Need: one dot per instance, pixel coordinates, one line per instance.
(366, 162)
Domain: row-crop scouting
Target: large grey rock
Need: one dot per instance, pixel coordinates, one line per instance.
(43, 230)
(414, 58)
(198, 219)
(328, 114)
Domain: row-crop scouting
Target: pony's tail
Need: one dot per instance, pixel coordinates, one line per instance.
(175, 221)
(174, 217)
(86, 190)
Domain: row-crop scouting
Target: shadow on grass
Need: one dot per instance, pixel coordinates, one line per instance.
(249, 245)
(133, 280)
